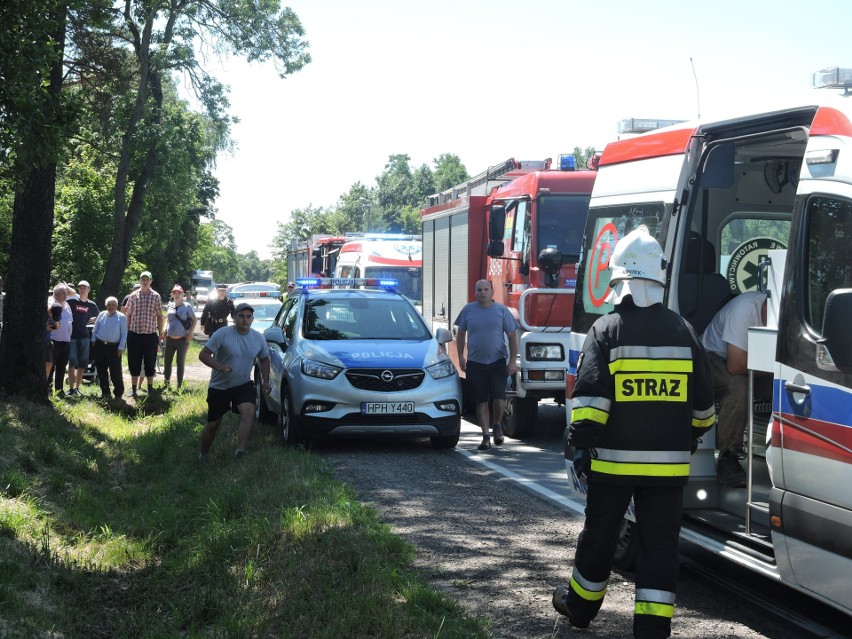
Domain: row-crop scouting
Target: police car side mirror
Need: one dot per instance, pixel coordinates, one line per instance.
(275, 335)
(834, 350)
(443, 336)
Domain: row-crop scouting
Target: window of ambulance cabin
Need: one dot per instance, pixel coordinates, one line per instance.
(604, 227)
(744, 243)
(828, 231)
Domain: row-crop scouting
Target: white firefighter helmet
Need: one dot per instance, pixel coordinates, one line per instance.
(638, 269)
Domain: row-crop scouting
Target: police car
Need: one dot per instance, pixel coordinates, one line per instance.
(358, 361)
(266, 304)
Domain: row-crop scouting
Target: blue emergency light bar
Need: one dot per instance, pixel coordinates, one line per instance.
(346, 282)
(255, 294)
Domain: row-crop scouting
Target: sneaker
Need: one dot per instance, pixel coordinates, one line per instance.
(239, 453)
(132, 393)
(729, 472)
(560, 603)
(497, 431)
(77, 392)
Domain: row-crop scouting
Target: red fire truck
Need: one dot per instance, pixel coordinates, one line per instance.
(316, 257)
(519, 225)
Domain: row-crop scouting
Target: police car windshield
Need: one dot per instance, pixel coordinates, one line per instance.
(350, 318)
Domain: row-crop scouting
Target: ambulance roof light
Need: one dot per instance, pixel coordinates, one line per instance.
(643, 125)
(833, 78)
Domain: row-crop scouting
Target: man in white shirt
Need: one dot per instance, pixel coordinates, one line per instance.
(726, 342)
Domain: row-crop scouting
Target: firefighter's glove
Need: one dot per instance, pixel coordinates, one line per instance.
(695, 442)
(583, 463)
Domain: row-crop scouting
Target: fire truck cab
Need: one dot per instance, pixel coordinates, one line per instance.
(759, 202)
(519, 225)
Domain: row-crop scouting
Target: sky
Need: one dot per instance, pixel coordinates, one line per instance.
(490, 80)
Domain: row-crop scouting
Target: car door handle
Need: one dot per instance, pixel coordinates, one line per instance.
(796, 388)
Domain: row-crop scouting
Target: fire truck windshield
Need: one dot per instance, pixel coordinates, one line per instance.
(409, 280)
(561, 219)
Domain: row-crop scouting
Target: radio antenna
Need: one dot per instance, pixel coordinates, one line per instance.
(697, 94)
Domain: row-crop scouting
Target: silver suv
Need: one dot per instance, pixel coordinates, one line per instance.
(349, 362)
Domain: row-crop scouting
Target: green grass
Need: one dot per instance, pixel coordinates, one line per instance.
(110, 527)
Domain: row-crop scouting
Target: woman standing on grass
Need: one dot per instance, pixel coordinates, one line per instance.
(180, 327)
(60, 318)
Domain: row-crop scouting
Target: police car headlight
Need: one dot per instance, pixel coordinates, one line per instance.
(312, 368)
(441, 370)
(545, 352)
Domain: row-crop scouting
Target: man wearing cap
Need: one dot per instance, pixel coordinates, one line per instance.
(180, 327)
(84, 312)
(144, 332)
(231, 352)
(216, 312)
(643, 397)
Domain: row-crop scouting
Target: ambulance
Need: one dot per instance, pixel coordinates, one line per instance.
(396, 256)
(758, 202)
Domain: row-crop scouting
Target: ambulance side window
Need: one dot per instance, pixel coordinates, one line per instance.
(828, 229)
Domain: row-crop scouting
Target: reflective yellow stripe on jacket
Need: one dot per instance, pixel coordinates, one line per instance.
(647, 463)
(595, 409)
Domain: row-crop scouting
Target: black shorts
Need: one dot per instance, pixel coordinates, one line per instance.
(220, 401)
(486, 381)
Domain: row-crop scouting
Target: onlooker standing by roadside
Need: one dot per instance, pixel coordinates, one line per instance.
(84, 311)
(484, 323)
(231, 354)
(61, 318)
(180, 327)
(144, 332)
(216, 312)
(109, 339)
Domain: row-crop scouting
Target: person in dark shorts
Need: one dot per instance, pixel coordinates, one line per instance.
(231, 353)
(483, 325)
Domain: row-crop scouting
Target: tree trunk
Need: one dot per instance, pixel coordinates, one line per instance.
(25, 309)
(126, 217)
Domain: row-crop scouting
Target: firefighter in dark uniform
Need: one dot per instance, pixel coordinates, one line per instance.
(643, 397)
(216, 312)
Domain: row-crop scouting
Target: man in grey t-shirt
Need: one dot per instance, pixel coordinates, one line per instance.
(231, 353)
(482, 324)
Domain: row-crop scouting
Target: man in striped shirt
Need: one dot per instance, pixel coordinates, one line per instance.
(145, 329)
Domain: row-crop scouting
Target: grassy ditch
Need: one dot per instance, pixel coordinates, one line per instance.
(110, 527)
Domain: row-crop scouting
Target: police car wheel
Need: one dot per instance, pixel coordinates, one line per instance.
(447, 441)
(287, 422)
(519, 417)
(262, 413)
(624, 557)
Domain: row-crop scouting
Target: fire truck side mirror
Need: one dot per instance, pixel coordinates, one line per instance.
(497, 223)
(495, 248)
(836, 337)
